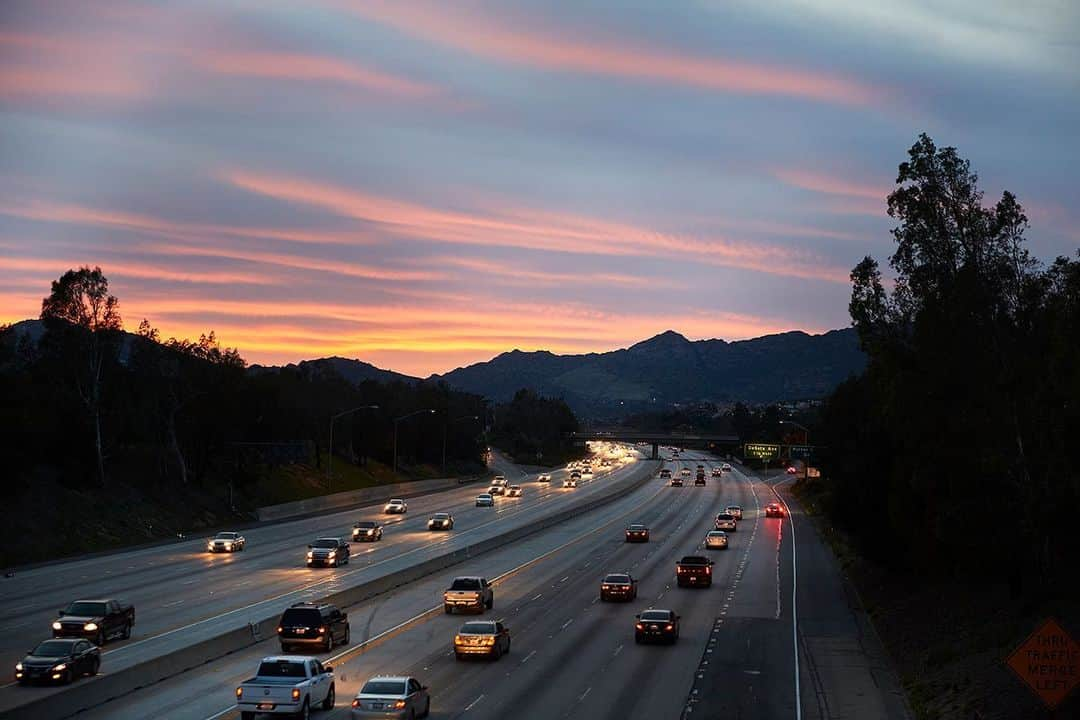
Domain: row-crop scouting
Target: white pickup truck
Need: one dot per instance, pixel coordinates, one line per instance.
(286, 685)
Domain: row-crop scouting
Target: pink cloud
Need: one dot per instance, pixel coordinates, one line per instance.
(531, 228)
(832, 185)
(292, 66)
(481, 34)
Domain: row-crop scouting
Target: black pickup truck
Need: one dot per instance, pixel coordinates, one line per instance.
(694, 571)
(97, 620)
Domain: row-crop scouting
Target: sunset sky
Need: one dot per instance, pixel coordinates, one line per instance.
(423, 185)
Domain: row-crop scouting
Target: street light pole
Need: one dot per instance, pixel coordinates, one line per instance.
(330, 448)
(445, 424)
(397, 421)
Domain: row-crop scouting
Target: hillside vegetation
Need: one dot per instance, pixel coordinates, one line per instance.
(110, 437)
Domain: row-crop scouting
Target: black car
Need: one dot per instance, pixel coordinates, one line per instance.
(59, 661)
(618, 586)
(637, 533)
(367, 531)
(313, 624)
(700, 479)
(95, 620)
(656, 626)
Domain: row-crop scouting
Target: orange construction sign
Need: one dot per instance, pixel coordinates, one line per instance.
(1049, 662)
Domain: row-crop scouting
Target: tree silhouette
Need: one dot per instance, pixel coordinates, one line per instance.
(81, 311)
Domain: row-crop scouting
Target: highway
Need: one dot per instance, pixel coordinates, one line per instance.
(182, 593)
(740, 654)
(572, 656)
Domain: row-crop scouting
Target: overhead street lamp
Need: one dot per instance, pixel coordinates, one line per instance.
(445, 424)
(330, 452)
(397, 421)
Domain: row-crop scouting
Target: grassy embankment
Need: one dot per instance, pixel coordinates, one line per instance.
(947, 638)
(49, 520)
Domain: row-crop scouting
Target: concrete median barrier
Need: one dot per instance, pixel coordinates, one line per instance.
(364, 496)
(90, 693)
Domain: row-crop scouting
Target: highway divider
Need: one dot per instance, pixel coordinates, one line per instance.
(364, 496)
(111, 685)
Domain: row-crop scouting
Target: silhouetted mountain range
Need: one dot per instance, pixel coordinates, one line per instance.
(669, 368)
(664, 369)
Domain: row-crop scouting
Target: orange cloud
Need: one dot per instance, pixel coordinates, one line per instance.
(479, 33)
(533, 229)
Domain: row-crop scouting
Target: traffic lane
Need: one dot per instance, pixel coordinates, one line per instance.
(187, 583)
(207, 691)
(170, 561)
(126, 653)
(751, 669)
(586, 663)
(845, 670)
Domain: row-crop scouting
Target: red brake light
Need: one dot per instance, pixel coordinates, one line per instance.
(669, 627)
(355, 703)
(639, 626)
(708, 570)
(322, 630)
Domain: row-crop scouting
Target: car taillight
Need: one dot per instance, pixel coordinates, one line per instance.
(322, 631)
(708, 570)
(639, 626)
(680, 570)
(239, 691)
(279, 631)
(669, 627)
(296, 693)
(355, 703)
(399, 705)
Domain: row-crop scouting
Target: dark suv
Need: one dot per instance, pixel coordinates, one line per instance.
(311, 624)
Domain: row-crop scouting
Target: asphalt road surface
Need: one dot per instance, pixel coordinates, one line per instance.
(183, 594)
(572, 656)
(740, 654)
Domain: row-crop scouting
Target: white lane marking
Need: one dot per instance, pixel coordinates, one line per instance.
(219, 714)
(566, 624)
(617, 651)
(538, 596)
(174, 603)
(471, 705)
(526, 658)
(794, 611)
(582, 696)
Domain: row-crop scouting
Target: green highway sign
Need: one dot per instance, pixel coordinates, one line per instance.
(799, 452)
(761, 451)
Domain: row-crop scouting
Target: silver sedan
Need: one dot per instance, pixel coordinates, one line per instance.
(392, 697)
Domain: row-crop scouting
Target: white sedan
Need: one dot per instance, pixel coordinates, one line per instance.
(716, 540)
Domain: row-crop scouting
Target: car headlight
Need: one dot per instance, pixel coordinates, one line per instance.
(61, 666)
(18, 667)
(228, 545)
(331, 554)
(370, 532)
(310, 555)
(57, 626)
(90, 627)
(210, 546)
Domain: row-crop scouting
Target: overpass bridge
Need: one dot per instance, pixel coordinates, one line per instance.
(712, 441)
